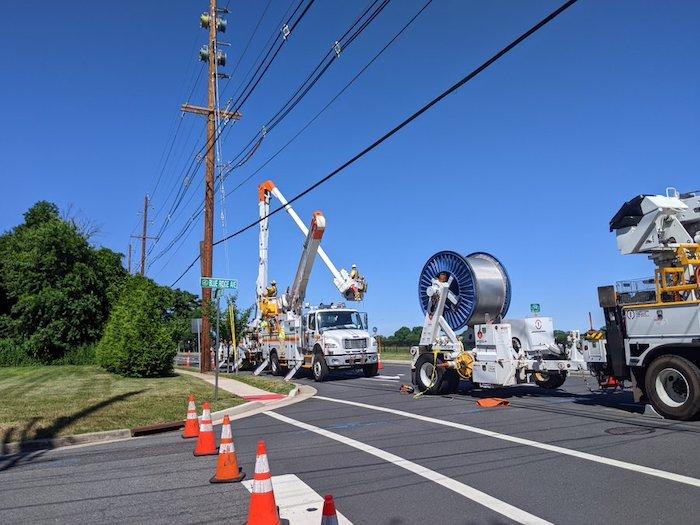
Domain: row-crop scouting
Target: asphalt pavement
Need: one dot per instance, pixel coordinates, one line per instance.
(569, 456)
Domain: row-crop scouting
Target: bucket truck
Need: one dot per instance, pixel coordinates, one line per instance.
(653, 325)
(286, 335)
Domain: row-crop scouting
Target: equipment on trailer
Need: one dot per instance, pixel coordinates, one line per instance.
(285, 335)
(474, 291)
(653, 325)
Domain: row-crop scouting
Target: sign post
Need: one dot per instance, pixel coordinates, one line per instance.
(218, 285)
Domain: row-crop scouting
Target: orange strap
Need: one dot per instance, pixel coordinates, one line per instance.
(492, 402)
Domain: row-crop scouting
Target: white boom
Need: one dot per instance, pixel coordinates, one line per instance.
(346, 285)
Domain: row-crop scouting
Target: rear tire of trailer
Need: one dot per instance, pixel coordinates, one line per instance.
(427, 376)
(549, 380)
(370, 370)
(319, 368)
(275, 367)
(673, 387)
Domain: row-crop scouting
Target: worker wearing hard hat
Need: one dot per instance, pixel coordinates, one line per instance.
(354, 274)
(272, 289)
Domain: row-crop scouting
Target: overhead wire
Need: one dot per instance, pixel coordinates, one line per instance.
(406, 121)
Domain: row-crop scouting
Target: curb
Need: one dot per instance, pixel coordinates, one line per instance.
(17, 447)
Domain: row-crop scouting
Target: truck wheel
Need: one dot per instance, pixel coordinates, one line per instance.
(370, 370)
(428, 376)
(275, 367)
(319, 368)
(549, 380)
(673, 387)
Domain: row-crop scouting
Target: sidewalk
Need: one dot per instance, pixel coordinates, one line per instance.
(236, 388)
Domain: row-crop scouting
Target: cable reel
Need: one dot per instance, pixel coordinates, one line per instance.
(479, 282)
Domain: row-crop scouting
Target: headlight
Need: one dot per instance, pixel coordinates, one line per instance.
(373, 342)
(330, 344)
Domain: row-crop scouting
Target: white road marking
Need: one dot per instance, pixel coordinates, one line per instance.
(296, 499)
(530, 443)
(397, 377)
(460, 488)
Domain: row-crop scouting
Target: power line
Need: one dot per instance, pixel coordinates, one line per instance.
(200, 155)
(457, 85)
(355, 29)
(336, 97)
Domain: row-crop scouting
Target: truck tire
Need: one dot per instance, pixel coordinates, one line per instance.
(319, 368)
(549, 380)
(370, 370)
(427, 376)
(275, 367)
(673, 387)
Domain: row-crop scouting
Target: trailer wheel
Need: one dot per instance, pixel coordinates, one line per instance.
(319, 367)
(549, 380)
(370, 370)
(275, 367)
(673, 387)
(428, 376)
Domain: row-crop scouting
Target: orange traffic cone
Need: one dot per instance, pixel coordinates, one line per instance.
(191, 424)
(380, 365)
(329, 516)
(206, 442)
(263, 509)
(227, 470)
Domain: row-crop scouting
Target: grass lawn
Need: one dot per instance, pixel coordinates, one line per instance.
(41, 402)
(401, 353)
(271, 384)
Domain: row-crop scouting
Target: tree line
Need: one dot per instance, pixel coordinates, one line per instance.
(65, 301)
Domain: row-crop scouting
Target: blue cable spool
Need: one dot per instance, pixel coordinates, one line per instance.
(480, 283)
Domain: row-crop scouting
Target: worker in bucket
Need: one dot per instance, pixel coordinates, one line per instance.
(272, 289)
(354, 274)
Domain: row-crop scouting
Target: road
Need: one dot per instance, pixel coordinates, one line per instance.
(570, 456)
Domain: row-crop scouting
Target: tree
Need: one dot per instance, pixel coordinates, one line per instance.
(560, 337)
(56, 290)
(139, 338)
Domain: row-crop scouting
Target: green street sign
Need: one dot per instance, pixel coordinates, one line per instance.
(213, 282)
(535, 308)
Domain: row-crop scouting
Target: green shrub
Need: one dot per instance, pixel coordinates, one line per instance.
(15, 354)
(81, 355)
(137, 340)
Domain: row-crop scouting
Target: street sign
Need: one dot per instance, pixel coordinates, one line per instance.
(214, 282)
(535, 308)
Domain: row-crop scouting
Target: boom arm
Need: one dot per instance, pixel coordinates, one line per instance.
(297, 292)
(346, 285)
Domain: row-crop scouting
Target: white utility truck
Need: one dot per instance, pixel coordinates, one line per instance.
(474, 291)
(653, 325)
(286, 335)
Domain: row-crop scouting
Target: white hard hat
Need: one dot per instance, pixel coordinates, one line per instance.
(273, 282)
(354, 266)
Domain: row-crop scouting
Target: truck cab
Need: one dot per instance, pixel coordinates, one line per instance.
(337, 338)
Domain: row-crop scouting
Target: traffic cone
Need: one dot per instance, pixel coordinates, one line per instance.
(263, 509)
(206, 442)
(227, 470)
(191, 424)
(380, 365)
(329, 516)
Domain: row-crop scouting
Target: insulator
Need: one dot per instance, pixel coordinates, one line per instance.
(221, 58)
(204, 20)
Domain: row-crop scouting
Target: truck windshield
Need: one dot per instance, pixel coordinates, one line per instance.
(340, 319)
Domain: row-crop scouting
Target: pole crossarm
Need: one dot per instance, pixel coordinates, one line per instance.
(199, 110)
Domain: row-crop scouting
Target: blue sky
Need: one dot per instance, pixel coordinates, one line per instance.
(528, 162)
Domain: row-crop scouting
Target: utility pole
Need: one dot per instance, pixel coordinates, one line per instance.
(129, 259)
(215, 58)
(144, 236)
